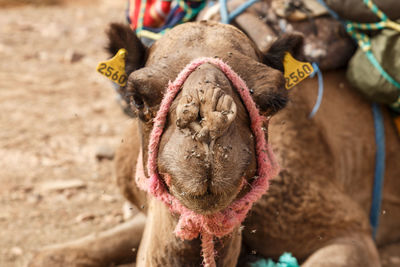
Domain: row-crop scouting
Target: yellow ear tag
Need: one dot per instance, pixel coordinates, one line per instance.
(114, 68)
(295, 71)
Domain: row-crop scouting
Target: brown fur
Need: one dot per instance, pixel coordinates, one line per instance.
(123, 37)
(317, 207)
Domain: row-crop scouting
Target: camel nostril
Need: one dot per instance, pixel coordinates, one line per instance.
(204, 136)
(217, 111)
(195, 127)
(187, 111)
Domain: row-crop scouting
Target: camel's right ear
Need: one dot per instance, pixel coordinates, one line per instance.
(122, 36)
(288, 42)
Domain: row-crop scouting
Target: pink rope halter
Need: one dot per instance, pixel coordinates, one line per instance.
(221, 223)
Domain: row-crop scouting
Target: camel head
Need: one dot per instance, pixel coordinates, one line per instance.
(206, 155)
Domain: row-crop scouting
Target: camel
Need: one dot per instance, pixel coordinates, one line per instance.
(316, 207)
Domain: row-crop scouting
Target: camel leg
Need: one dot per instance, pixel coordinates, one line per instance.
(114, 246)
(357, 250)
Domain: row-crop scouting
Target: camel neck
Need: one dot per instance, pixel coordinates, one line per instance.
(161, 247)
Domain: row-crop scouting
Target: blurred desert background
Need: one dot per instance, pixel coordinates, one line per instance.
(60, 123)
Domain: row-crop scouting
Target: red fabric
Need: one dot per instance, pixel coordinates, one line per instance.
(155, 13)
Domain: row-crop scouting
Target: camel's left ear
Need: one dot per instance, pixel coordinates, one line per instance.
(122, 36)
(288, 42)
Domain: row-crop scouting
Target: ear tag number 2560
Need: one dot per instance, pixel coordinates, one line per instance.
(295, 71)
(114, 69)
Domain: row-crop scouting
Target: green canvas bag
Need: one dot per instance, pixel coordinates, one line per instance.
(367, 79)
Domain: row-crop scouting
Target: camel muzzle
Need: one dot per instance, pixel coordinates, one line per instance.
(221, 223)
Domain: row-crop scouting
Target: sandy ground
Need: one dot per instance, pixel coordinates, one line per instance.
(56, 112)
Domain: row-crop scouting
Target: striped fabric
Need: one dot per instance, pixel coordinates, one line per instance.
(151, 18)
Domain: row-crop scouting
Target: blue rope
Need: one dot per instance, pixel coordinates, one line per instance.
(379, 135)
(363, 40)
(240, 9)
(333, 13)
(379, 168)
(320, 83)
(320, 89)
(224, 11)
(226, 18)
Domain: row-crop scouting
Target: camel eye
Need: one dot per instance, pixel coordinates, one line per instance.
(134, 100)
(139, 104)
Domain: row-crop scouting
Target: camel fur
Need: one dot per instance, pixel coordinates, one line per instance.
(316, 208)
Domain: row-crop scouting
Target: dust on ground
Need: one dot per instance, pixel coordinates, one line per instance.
(56, 113)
